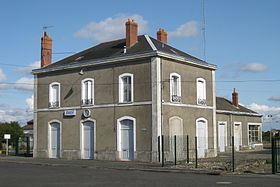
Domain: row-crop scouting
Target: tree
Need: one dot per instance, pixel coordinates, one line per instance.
(12, 128)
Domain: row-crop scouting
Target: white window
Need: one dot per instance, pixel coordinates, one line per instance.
(201, 91)
(254, 133)
(175, 87)
(87, 92)
(54, 95)
(126, 88)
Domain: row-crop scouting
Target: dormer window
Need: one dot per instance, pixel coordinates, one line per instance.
(175, 87)
(126, 88)
(201, 91)
(54, 95)
(87, 92)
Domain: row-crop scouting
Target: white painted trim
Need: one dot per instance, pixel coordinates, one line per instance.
(150, 42)
(188, 105)
(83, 90)
(118, 132)
(50, 91)
(121, 99)
(226, 136)
(35, 148)
(204, 89)
(214, 110)
(238, 113)
(49, 137)
(82, 136)
(260, 131)
(170, 84)
(156, 105)
(95, 106)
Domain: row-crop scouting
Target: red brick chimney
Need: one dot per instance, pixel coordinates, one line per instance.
(131, 33)
(235, 97)
(46, 50)
(162, 36)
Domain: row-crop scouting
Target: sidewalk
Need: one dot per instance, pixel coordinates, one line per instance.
(100, 164)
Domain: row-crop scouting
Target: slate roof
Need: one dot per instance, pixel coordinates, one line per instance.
(29, 125)
(223, 104)
(115, 48)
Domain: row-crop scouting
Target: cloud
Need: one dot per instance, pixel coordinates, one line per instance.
(28, 69)
(9, 113)
(233, 70)
(263, 108)
(187, 29)
(2, 76)
(110, 28)
(24, 83)
(254, 67)
(271, 115)
(30, 103)
(274, 98)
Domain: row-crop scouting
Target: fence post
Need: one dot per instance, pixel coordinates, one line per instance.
(175, 150)
(188, 151)
(17, 145)
(158, 148)
(195, 143)
(162, 151)
(273, 155)
(27, 146)
(232, 140)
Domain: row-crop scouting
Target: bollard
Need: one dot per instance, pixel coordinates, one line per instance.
(195, 152)
(232, 139)
(175, 155)
(188, 151)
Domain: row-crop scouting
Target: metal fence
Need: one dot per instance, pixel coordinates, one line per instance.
(275, 155)
(232, 154)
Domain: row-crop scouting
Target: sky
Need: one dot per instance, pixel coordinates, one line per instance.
(241, 38)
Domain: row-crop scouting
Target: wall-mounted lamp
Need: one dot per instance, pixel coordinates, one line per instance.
(82, 71)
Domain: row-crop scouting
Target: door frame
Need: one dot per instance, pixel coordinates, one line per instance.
(240, 124)
(206, 129)
(226, 138)
(82, 136)
(49, 137)
(119, 133)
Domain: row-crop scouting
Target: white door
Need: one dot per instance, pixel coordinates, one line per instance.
(222, 137)
(54, 140)
(126, 140)
(87, 140)
(237, 136)
(202, 138)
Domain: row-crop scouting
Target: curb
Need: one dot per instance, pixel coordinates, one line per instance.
(156, 169)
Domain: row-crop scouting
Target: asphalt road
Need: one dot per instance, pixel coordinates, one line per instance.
(14, 174)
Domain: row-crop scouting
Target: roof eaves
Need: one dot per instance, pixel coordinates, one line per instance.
(95, 62)
(183, 59)
(238, 113)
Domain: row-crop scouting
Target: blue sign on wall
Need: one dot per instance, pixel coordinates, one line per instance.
(69, 112)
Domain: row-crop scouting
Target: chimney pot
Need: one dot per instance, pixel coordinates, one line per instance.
(235, 97)
(46, 50)
(131, 32)
(162, 35)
